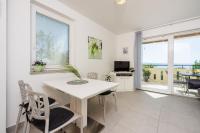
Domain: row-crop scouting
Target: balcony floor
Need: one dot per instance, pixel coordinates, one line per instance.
(163, 88)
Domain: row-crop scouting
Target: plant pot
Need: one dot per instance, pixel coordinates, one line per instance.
(146, 78)
(38, 68)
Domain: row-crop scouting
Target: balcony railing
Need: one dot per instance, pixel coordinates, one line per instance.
(159, 72)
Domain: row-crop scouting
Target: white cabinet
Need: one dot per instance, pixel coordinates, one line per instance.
(121, 83)
(125, 83)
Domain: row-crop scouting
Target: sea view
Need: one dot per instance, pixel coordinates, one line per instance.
(159, 65)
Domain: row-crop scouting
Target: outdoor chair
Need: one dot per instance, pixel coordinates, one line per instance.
(180, 81)
(193, 84)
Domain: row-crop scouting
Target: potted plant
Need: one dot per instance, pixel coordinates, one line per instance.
(38, 66)
(108, 78)
(79, 81)
(195, 66)
(146, 74)
(69, 68)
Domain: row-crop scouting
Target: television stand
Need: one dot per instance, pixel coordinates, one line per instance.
(122, 73)
(125, 80)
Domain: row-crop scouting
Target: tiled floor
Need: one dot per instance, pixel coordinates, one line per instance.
(146, 112)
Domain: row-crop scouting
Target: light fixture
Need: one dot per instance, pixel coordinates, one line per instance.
(120, 2)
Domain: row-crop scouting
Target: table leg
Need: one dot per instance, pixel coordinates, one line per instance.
(79, 106)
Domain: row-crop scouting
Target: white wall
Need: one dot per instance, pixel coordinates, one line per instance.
(19, 49)
(184, 26)
(3, 66)
(128, 39)
(125, 40)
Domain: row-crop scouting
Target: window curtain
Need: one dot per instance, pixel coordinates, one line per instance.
(137, 60)
(3, 49)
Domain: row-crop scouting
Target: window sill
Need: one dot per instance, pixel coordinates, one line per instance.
(47, 72)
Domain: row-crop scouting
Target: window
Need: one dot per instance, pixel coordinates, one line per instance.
(51, 40)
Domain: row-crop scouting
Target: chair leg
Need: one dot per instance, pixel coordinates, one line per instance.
(102, 100)
(28, 128)
(99, 99)
(47, 126)
(25, 126)
(62, 130)
(81, 126)
(115, 97)
(104, 108)
(18, 119)
(187, 91)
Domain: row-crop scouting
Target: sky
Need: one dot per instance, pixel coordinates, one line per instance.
(186, 51)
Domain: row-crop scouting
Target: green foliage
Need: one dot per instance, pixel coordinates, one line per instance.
(196, 65)
(38, 66)
(69, 68)
(44, 45)
(146, 72)
(108, 78)
(94, 49)
(39, 63)
(148, 66)
(47, 48)
(161, 72)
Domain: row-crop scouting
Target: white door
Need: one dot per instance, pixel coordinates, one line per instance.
(156, 59)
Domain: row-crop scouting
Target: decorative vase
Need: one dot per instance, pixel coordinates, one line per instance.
(146, 78)
(77, 82)
(38, 68)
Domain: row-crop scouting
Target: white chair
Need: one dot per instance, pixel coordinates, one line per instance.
(46, 119)
(102, 96)
(92, 75)
(24, 104)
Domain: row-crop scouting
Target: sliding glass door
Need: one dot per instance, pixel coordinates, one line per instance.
(155, 66)
(171, 63)
(186, 64)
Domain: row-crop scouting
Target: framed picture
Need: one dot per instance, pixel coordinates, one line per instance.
(94, 48)
(125, 50)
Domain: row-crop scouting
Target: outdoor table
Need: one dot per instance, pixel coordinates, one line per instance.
(190, 75)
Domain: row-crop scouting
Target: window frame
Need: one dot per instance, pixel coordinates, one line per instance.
(58, 17)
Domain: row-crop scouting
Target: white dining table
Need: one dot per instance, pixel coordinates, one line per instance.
(79, 94)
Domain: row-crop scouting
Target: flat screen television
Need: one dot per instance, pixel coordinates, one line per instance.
(121, 66)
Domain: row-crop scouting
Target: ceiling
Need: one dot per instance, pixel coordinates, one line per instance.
(135, 14)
